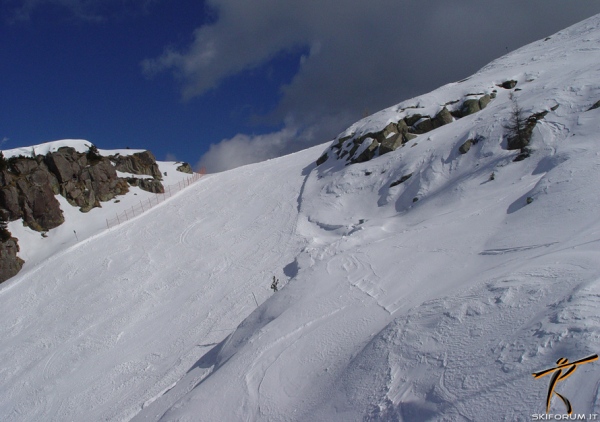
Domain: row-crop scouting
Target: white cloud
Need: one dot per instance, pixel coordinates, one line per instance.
(362, 55)
(245, 149)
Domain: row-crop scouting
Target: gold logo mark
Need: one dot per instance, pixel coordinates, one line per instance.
(562, 364)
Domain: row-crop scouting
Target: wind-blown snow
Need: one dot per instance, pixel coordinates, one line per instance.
(390, 308)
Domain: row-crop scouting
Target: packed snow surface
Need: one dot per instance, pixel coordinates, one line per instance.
(434, 299)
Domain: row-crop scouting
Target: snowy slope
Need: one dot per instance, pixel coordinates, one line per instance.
(391, 309)
(80, 226)
(99, 329)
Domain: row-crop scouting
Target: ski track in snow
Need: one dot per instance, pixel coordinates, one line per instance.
(130, 321)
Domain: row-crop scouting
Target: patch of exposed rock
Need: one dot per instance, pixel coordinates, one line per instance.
(185, 168)
(10, 263)
(84, 182)
(358, 149)
(149, 185)
(466, 146)
(28, 189)
(142, 163)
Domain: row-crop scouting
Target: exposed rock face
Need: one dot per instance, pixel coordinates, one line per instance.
(484, 101)
(28, 187)
(138, 163)
(368, 153)
(593, 107)
(83, 182)
(395, 134)
(322, 159)
(28, 191)
(149, 185)
(424, 125)
(185, 168)
(10, 263)
(469, 107)
(144, 163)
(473, 105)
(401, 180)
(442, 118)
(464, 148)
(391, 143)
(508, 84)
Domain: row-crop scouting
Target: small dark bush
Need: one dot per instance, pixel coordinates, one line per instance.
(3, 162)
(93, 155)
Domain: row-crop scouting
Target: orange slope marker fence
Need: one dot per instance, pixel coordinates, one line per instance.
(145, 205)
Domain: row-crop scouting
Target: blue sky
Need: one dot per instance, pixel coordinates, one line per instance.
(223, 83)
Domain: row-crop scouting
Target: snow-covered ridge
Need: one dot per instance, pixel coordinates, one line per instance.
(531, 69)
(36, 246)
(434, 298)
(80, 145)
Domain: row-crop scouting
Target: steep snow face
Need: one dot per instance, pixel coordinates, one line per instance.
(105, 326)
(432, 299)
(475, 280)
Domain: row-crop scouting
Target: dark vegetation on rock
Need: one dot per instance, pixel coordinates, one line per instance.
(520, 130)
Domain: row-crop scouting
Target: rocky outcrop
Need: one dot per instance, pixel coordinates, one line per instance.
(85, 180)
(401, 180)
(29, 185)
(395, 134)
(10, 263)
(322, 159)
(149, 185)
(442, 118)
(473, 105)
(510, 84)
(142, 163)
(464, 148)
(594, 106)
(27, 191)
(368, 153)
(185, 168)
